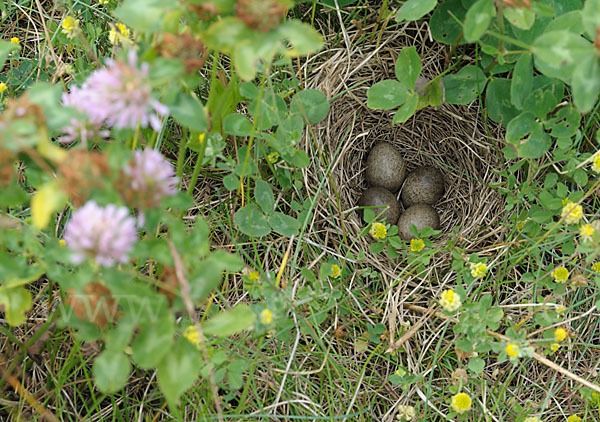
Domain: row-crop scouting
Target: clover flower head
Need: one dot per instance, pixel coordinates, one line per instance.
(266, 316)
(70, 26)
(3, 87)
(532, 419)
(586, 231)
(450, 301)
(106, 234)
(512, 350)
(574, 418)
(406, 413)
(460, 403)
(560, 274)
(192, 335)
(596, 162)
(596, 266)
(478, 269)
(335, 271)
(378, 231)
(118, 33)
(150, 177)
(417, 245)
(254, 275)
(84, 128)
(571, 212)
(554, 347)
(560, 334)
(15, 40)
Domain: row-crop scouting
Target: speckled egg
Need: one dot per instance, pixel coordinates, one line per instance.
(380, 197)
(385, 167)
(421, 215)
(424, 185)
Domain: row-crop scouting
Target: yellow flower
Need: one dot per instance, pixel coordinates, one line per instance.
(417, 245)
(560, 274)
(478, 269)
(266, 316)
(118, 33)
(586, 232)
(273, 157)
(596, 162)
(103, 1)
(254, 275)
(378, 231)
(70, 26)
(460, 403)
(560, 334)
(554, 347)
(15, 40)
(191, 334)
(596, 266)
(572, 212)
(574, 418)
(62, 242)
(3, 87)
(560, 309)
(406, 413)
(532, 419)
(335, 271)
(450, 301)
(512, 350)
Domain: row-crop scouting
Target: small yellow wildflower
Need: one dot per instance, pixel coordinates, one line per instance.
(335, 271)
(273, 157)
(70, 26)
(191, 334)
(574, 418)
(266, 316)
(478, 269)
(560, 309)
(254, 275)
(596, 162)
(103, 1)
(15, 40)
(560, 274)
(62, 242)
(586, 231)
(596, 266)
(512, 350)
(450, 301)
(572, 212)
(460, 403)
(118, 33)
(378, 231)
(3, 87)
(406, 413)
(560, 334)
(417, 245)
(532, 419)
(554, 347)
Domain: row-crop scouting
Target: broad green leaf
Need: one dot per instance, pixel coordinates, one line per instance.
(270, 111)
(237, 124)
(263, 195)
(111, 370)
(283, 224)
(558, 53)
(444, 28)
(120, 335)
(303, 38)
(179, 370)
(564, 123)
(476, 365)
(586, 84)
(144, 15)
(226, 34)
(408, 66)
(543, 100)
(580, 177)
(251, 221)
(465, 85)
(153, 341)
(311, 104)
(290, 129)
(386, 95)
(16, 302)
(570, 21)
(433, 95)
(497, 101)
(246, 57)
(189, 112)
(413, 10)
(521, 17)
(6, 47)
(13, 195)
(528, 136)
(300, 159)
(45, 201)
(590, 17)
(478, 19)
(522, 80)
(228, 323)
(407, 109)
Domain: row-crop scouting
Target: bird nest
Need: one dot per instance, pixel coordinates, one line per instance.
(454, 139)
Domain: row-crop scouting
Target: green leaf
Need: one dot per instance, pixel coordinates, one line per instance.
(283, 224)
(263, 195)
(178, 371)
(246, 57)
(521, 17)
(407, 109)
(153, 341)
(119, 336)
(478, 19)
(558, 53)
(413, 10)
(528, 136)
(444, 28)
(465, 85)
(6, 47)
(386, 95)
(311, 104)
(543, 100)
(189, 112)
(111, 370)
(522, 80)
(228, 323)
(301, 159)
(237, 124)
(586, 84)
(564, 123)
(590, 17)
(303, 38)
(580, 177)
(570, 21)
(16, 301)
(497, 101)
(433, 94)
(270, 111)
(144, 15)
(476, 365)
(408, 66)
(226, 34)
(251, 221)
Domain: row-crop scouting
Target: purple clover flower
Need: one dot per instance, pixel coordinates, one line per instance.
(84, 129)
(106, 234)
(150, 177)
